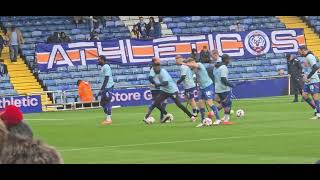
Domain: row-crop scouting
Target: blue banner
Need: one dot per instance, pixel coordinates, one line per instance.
(129, 51)
(27, 104)
(247, 89)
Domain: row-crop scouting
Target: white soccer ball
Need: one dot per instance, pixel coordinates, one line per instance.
(170, 118)
(150, 120)
(239, 113)
(207, 122)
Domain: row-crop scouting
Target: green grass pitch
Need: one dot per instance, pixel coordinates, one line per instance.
(274, 130)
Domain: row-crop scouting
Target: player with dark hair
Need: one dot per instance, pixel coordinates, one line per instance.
(311, 80)
(207, 93)
(295, 71)
(169, 89)
(155, 91)
(106, 90)
(188, 84)
(223, 87)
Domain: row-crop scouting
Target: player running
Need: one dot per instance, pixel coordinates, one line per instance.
(223, 87)
(311, 80)
(188, 84)
(155, 91)
(106, 91)
(169, 89)
(206, 89)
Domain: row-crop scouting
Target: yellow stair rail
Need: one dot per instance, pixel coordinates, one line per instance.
(312, 38)
(23, 81)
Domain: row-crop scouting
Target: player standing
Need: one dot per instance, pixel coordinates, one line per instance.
(155, 91)
(169, 89)
(188, 84)
(311, 80)
(106, 90)
(223, 87)
(206, 89)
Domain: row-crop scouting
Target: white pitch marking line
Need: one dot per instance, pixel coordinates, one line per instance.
(183, 141)
(45, 119)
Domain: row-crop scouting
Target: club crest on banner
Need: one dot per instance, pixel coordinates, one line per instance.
(257, 42)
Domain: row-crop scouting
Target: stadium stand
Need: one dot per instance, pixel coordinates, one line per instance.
(182, 25)
(36, 29)
(310, 26)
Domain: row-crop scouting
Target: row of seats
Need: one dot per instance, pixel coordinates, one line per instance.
(6, 88)
(206, 24)
(314, 21)
(36, 29)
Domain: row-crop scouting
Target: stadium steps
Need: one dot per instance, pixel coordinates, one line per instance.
(312, 38)
(22, 79)
(129, 21)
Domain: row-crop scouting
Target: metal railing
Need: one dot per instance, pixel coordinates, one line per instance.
(64, 105)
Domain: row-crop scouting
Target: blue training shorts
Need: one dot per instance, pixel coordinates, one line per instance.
(107, 94)
(207, 93)
(311, 88)
(190, 93)
(225, 99)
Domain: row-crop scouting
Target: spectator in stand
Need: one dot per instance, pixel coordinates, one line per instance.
(3, 68)
(15, 42)
(108, 18)
(101, 21)
(157, 28)
(135, 34)
(78, 20)
(237, 27)
(94, 36)
(92, 23)
(194, 55)
(151, 28)
(142, 27)
(1, 45)
(205, 55)
(215, 58)
(54, 38)
(64, 38)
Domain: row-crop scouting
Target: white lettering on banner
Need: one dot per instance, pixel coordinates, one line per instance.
(192, 38)
(81, 44)
(65, 59)
(257, 42)
(288, 43)
(130, 54)
(131, 96)
(147, 95)
(220, 38)
(235, 44)
(211, 43)
(83, 57)
(165, 39)
(113, 52)
(25, 102)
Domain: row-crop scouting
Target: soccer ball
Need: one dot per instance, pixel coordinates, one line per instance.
(207, 122)
(170, 118)
(240, 113)
(210, 114)
(150, 120)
